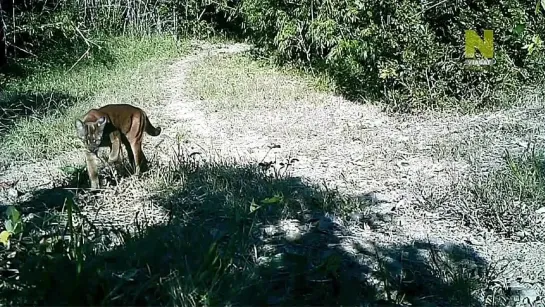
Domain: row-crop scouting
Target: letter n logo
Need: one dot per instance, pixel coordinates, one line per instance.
(474, 41)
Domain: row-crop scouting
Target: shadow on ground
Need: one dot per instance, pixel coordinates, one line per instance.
(17, 106)
(237, 236)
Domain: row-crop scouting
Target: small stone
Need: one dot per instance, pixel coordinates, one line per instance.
(520, 234)
(13, 193)
(293, 235)
(475, 241)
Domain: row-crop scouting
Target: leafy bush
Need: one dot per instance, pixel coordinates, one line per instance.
(51, 30)
(408, 52)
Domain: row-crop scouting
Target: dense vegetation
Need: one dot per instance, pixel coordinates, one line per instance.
(408, 53)
(411, 51)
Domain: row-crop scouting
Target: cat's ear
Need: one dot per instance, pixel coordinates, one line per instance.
(101, 121)
(80, 127)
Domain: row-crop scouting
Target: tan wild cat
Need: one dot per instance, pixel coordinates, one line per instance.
(110, 126)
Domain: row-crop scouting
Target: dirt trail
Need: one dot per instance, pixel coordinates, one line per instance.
(355, 148)
(360, 150)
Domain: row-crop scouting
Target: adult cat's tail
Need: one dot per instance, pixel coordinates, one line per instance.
(150, 129)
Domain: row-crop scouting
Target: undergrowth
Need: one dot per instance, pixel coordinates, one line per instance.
(409, 54)
(236, 234)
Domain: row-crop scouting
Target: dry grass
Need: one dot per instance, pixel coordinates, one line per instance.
(208, 225)
(231, 84)
(362, 151)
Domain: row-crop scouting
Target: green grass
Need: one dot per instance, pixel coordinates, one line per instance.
(505, 200)
(240, 82)
(124, 71)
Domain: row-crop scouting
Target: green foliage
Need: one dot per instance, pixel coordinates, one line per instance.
(409, 54)
(51, 30)
(49, 95)
(13, 225)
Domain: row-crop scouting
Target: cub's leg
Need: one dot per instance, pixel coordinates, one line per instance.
(127, 146)
(136, 146)
(115, 147)
(92, 169)
(143, 162)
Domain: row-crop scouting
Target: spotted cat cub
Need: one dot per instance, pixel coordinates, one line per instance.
(110, 126)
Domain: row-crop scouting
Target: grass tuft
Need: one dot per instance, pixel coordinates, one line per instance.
(508, 201)
(239, 82)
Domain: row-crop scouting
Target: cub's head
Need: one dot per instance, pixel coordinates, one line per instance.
(90, 133)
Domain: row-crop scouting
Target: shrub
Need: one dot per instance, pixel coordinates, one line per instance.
(409, 54)
(51, 30)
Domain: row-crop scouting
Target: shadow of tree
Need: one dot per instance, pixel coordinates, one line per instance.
(237, 236)
(20, 105)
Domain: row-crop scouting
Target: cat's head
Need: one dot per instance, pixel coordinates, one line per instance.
(90, 133)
